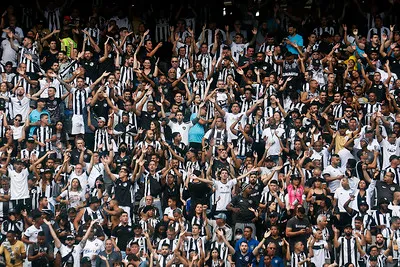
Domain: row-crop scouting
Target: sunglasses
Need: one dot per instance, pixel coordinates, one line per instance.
(17, 119)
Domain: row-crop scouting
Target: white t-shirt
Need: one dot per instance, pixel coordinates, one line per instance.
(333, 172)
(44, 84)
(182, 128)
(92, 248)
(275, 147)
(76, 253)
(20, 107)
(230, 118)
(18, 184)
(224, 192)
(75, 198)
(17, 132)
(83, 179)
(319, 252)
(238, 50)
(342, 195)
(9, 54)
(388, 150)
(97, 170)
(32, 233)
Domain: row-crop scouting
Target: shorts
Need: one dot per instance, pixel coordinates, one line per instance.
(78, 126)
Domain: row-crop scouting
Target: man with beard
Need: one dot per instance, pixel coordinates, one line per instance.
(123, 187)
(220, 163)
(298, 228)
(362, 213)
(346, 245)
(383, 215)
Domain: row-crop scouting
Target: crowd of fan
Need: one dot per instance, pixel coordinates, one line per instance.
(271, 141)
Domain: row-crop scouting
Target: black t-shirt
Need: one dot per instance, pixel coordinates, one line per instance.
(123, 192)
(121, 160)
(198, 192)
(395, 65)
(50, 59)
(265, 66)
(108, 64)
(101, 108)
(123, 234)
(146, 118)
(91, 68)
(53, 107)
(218, 165)
(298, 224)
(75, 154)
(244, 215)
(35, 249)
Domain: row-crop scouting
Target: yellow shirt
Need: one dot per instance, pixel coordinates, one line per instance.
(340, 141)
(18, 248)
(65, 46)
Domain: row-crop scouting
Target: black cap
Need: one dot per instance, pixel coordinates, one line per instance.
(137, 226)
(273, 214)
(294, 177)
(369, 129)
(269, 158)
(86, 260)
(30, 140)
(18, 161)
(363, 203)
(12, 211)
(295, 110)
(193, 150)
(348, 226)
(384, 200)
(147, 208)
(94, 200)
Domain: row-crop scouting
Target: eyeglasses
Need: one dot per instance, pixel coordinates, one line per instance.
(348, 110)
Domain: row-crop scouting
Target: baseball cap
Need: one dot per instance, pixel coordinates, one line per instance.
(273, 214)
(384, 200)
(85, 260)
(369, 129)
(221, 216)
(245, 186)
(101, 119)
(193, 150)
(12, 211)
(94, 200)
(269, 158)
(147, 208)
(137, 226)
(31, 140)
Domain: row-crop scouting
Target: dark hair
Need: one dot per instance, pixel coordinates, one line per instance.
(41, 233)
